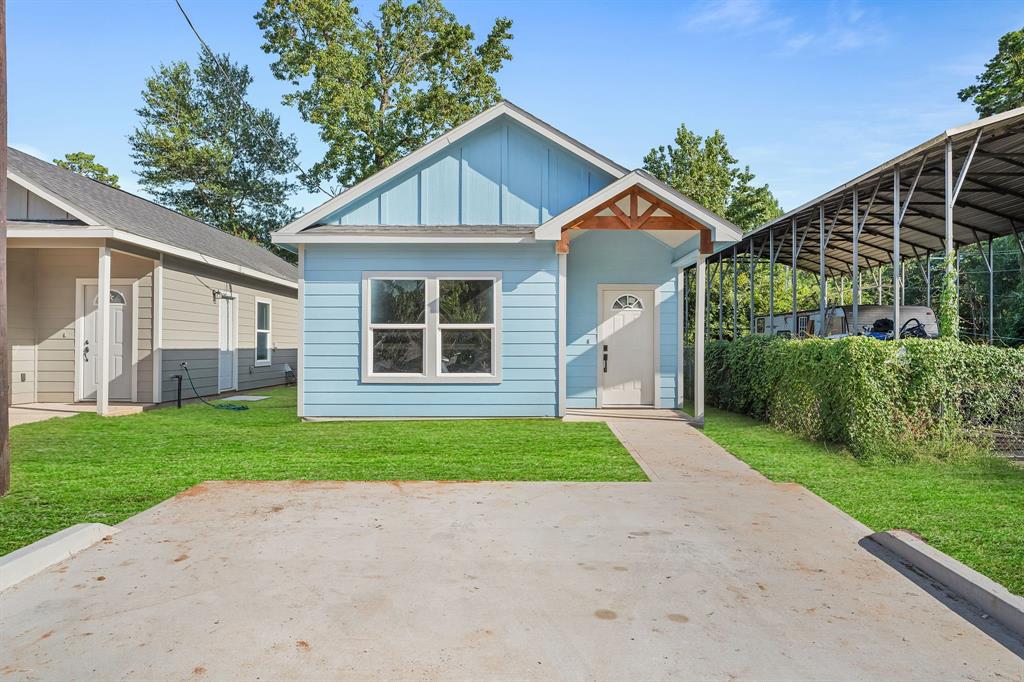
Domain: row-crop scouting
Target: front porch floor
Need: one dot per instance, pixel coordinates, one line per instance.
(28, 413)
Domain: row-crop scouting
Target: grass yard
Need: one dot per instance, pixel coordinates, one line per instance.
(92, 469)
(972, 510)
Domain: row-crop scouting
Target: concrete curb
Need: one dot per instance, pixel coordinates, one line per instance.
(981, 592)
(40, 555)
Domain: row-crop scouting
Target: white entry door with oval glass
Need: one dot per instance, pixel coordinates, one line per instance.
(626, 347)
(120, 339)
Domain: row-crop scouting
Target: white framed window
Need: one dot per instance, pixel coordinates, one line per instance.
(442, 327)
(263, 327)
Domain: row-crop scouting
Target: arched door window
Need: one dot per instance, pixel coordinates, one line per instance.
(627, 302)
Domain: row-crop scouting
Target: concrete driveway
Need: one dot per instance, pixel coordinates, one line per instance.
(710, 571)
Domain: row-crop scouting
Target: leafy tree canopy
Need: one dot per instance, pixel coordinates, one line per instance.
(85, 164)
(703, 169)
(379, 89)
(202, 149)
(1001, 86)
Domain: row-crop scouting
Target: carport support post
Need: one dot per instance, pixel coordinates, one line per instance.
(735, 298)
(795, 252)
(897, 284)
(991, 291)
(855, 271)
(102, 348)
(771, 283)
(822, 283)
(753, 265)
(721, 296)
(698, 342)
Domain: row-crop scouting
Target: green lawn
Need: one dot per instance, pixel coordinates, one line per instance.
(972, 510)
(90, 469)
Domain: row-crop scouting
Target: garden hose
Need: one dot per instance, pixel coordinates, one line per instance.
(223, 406)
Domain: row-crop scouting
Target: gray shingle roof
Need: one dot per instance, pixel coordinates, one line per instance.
(121, 210)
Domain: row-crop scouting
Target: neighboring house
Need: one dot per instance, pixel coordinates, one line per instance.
(177, 291)
(503, 269)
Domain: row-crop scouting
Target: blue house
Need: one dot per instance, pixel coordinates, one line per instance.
(501, 270)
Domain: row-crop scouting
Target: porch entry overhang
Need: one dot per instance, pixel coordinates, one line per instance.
(638, 201)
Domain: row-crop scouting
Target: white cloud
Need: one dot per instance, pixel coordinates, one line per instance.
(841, 27)
(32, 150)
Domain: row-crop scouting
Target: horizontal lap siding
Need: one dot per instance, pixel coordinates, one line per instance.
(190, 328)
(333, 337)
(616, 257)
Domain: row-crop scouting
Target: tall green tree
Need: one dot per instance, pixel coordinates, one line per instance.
(86, 165)
(378, 89)
(1000, 87)
(204, 150)
(703, 169)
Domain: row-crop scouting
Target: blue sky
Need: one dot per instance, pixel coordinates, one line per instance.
(807, 93)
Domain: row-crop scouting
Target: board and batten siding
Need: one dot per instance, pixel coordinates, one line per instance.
(616, 257)
(332, 385)
(500, 174)
(25, 205)
(190, 327)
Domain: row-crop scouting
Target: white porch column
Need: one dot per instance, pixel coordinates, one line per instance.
(103, 333)
(158, 328)
(562, 267)
(698, 342)
(681, 341)
(300, 358)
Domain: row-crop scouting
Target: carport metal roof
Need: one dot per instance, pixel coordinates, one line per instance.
(986, 183)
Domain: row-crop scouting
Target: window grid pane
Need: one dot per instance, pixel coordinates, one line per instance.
(465, 301)
(398, 351)
(466, 351)
(398, 301)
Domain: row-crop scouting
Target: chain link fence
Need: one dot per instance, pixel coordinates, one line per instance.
(993, 417)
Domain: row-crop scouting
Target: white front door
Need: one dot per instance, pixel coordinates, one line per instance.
(626, 353)
(227, 361)
(119, 335)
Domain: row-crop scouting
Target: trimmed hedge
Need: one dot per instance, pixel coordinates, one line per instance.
(899, 399)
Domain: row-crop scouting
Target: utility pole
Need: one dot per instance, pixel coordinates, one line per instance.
(5, 350)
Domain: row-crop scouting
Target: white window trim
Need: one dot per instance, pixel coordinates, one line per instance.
(269, 331)
(432, 328)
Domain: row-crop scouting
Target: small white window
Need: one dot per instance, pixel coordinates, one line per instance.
(431, 328)
(263, 325)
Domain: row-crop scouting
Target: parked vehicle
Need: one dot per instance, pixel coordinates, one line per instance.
(872, 320)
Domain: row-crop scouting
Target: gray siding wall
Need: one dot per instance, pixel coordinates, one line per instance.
(21, 324)
(190, 326)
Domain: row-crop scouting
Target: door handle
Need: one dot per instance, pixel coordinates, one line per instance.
(85, 351)
(605, 363)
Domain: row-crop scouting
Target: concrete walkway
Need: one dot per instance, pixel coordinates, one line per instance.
(710, 571)
(28, 413)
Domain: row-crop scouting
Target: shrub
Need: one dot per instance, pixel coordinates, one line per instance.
(905, 399)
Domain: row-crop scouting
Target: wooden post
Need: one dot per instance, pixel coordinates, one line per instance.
(5, 350)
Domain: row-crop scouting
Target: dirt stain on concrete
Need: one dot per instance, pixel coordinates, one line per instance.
(605, 614)
(180, 558)
(619, 568)
(194, 491)
(302, 645)
(199, 670)
(45, 635)
(678, 618)
(276, 508)
(101, 578)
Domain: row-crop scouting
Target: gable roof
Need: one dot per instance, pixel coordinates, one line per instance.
(503, 108)
(97, 204)
(721, 229)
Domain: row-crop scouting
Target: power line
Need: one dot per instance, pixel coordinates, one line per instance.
(227, 79)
